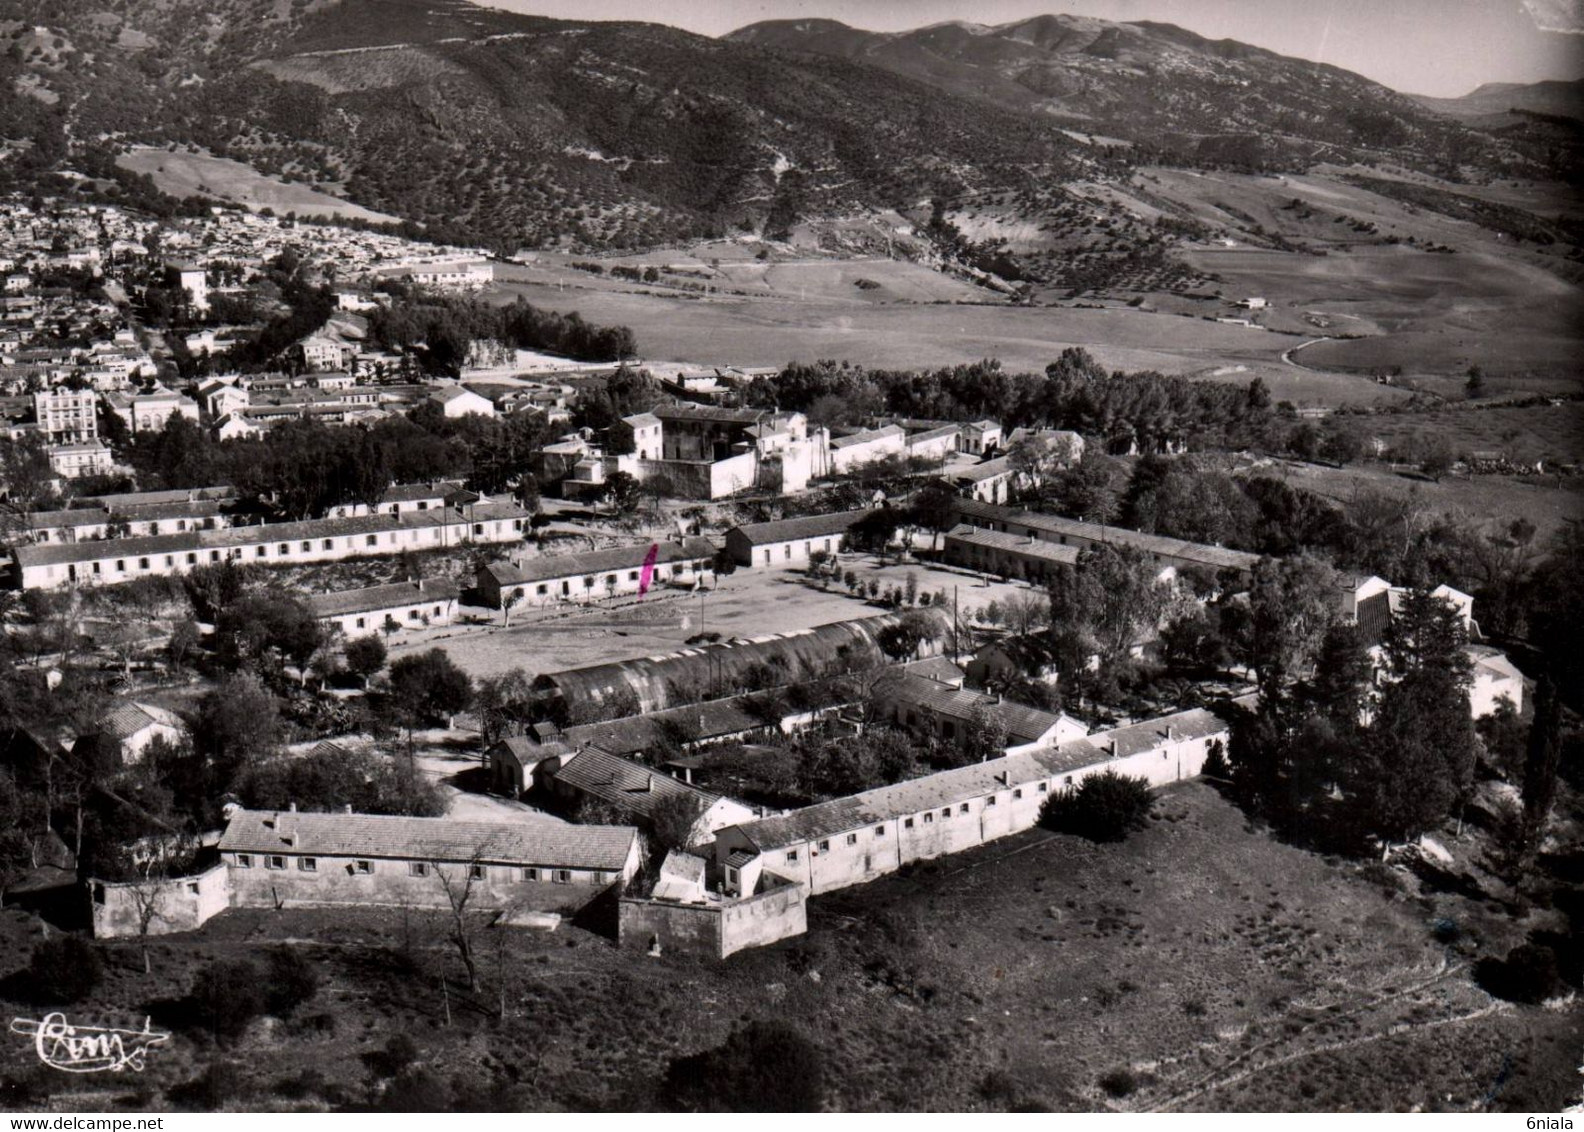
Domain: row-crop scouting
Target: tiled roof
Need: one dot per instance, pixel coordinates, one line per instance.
(962, 784)
(936, 668)
(712, 719)
(989, 470)
(540, 842)
(687, 411)
(979, 514)
(1022, 722)
(127, 719)
(389, 596)
(963, 534)
(867, 436)
(594, 561)
(413, 492)
(636, 789)
(804, 526)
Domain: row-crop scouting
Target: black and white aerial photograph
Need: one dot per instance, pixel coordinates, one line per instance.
(798, 556)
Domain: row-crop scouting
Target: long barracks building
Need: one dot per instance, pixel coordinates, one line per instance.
(111, 561)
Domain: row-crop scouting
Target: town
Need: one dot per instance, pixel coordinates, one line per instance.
(339, 580)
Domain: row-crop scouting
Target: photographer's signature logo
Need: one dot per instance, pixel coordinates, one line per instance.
(88, 1049)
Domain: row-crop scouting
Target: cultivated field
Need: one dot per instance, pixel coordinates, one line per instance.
(1198, 966)
(745, 604)
(183, 174)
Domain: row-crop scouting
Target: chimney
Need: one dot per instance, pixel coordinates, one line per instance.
(292, 806)
(649, 785)
(1111, 748)
(347, 809)
(1171, 733)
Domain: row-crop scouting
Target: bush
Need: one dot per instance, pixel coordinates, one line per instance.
(1104, 807)
(1119, 1082)
(764, 1067)
(210, 1090)
(416, 1090)
(292, 982)
(226, 996)
(1528, 974)
(400, 1052)
(65, 969)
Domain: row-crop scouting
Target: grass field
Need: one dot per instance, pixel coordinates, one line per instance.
(1198, 966)
(183, 174)
(1528, 433)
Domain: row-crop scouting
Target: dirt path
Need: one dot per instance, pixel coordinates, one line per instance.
(1287, 355)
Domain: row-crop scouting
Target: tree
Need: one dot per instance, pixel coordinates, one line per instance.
(1436, 457)
(674, 821)
(1292, 604)
(365, 656)
(290, 981)
(901, 639)
(457, 883)
(1474, 387)
(767, 1066)
(238, 724)
(1192, 644)
(501, 701)
(623, 492)
(429, 685)
(226, 995)
(985, 734)
(1541, 762)
(1103, 807)
(934, 507)
(1111, 596)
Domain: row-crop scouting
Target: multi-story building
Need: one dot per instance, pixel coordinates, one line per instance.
(67, 416)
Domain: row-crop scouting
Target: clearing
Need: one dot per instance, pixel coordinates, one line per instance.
(184, 174)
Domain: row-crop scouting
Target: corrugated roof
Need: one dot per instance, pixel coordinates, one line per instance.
(541, 842)
(636, 789)
(804, 526)
(389, 596)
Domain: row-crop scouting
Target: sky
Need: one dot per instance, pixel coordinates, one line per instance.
(1436, 47)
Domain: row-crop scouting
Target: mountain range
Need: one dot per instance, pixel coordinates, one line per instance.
(500, 128)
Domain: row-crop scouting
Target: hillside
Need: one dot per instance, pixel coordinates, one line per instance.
(1165, 89)
(507, 129)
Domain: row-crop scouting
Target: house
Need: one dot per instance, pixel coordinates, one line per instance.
(133, 726)
(633, 789)
(410, 605)
(150, 412)
(979, 437)
(646, 431)
(1170, 554)
(455, 401)
(954, 714)
(682, 879)
(91, 458)
(510, 764)
(107, 562)
(597, 574)
(855, 839)
(1007, 555)
(323, 352)
(987, 482)
(789, 543)
(1495, 678)
(1014, 657)
(848, 453)
(288, 858)
(192, 278)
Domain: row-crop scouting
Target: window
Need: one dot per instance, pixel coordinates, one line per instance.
(121, 565)
(306, 546)
(363, 868)
(244, 860)
(192, 560)
(852, 839)
(478, 528)
(879, 831)
(477, 872)
(824, 846)
(731, 876)
(329, 544)
(946, 813)
(530, 874)
(371, 540)
(632, 575)
(907, 823)
(170, 560)
(588, 582)
(562, 876)
(192, 887)
(1067, 781)
(1044, 787)
(274, 862)
(96, 567)
(963, 808)
(1018, 793)
(542, 590)
(412, 615)
(214, 556)
(417, 868)
(948, 729)
(284, 548)
(360, 622)
(789, 552)
(260, 552)
(308, 864)
(792, 856)
(929, 818)
(437, 611)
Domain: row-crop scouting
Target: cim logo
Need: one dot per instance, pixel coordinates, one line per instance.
(88, 1049)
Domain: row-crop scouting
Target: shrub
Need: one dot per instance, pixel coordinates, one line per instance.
(764, 1067)
(1528, 974)
(226, 996)
(1119, 1082)
(65, 969)
(1215, 764)
(292, 981)
(399, 1053)
(416, 1090)
(1104, 807)
(210, 1090)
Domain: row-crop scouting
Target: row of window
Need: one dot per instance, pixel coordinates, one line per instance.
(260, 551)
(279, 862)
(928, 818)
(677, 571)
(412, 615)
